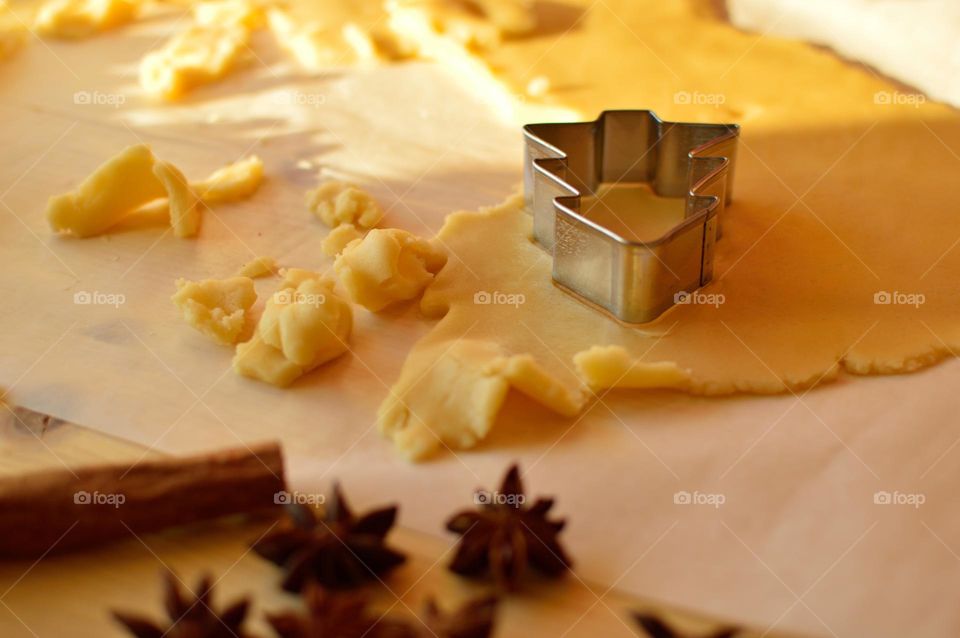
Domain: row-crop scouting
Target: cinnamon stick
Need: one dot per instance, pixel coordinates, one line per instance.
(59, 510)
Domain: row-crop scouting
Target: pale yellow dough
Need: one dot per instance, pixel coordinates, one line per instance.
(196, 56)
(115, 189)
(613, 367)
(339, 238)
(471, 23)
(121, 187)
(841, 222)
(335, 33)
(238, 180)
(305, 324)
(82, 18)
(216, 307)
(259, 267)
(453, 401)
(386, 266)
(336, 203)
(182, 199)
(248, 14)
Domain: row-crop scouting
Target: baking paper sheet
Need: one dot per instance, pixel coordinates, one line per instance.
(769, 510)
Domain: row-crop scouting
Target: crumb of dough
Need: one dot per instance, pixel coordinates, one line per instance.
(613, 367)
(386, 266)
(453, 400)
(304, 324)
(115, 189)
(307, 321)
(336, 203)
(339, 238)
(234, 13)
(82, 18)
(258, 360)
(335, 33)
(259, 267)
(196, 56)
(182, 198)
(530, 378)
(238, 180)
(465, 395)
(473, 23)
(216, 307)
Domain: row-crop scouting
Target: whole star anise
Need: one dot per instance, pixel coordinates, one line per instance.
(338, 550)
(336, 614)
(654, 627)
(473, 619)
(504, 536)
(190, 616)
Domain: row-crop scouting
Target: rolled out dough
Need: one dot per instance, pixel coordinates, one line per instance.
(840, 251)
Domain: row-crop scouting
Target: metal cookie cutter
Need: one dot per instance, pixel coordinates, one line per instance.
(635, 281)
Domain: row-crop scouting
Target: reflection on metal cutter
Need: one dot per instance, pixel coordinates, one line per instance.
(635, 281)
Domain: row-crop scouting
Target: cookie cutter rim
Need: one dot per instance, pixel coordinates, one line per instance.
(635, 281)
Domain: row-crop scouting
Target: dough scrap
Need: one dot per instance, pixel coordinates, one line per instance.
(451, 395)
(182, 199)
(122, 186)
(248, 14)
(259, 267)
(336, 203)
(196, 56)
(335, 33)
(216, 307)
(613, 367)
(235, 181)
(452, 400)
(339, 238)
(472, 23)
(82, 18)
(115, 189)
(305, 324)
(258, 360)
(387, 266)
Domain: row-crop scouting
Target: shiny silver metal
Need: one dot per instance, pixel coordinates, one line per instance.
(634, 281)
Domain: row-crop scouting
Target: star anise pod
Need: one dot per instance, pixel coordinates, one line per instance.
(190, 616)
(338, 550)
(336, 614)
(474, 619)
(505, 536)
(654, 627)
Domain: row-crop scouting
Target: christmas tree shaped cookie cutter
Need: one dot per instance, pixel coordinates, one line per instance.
(635, 281)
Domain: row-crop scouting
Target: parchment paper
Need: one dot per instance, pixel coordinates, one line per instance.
(798, 542)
